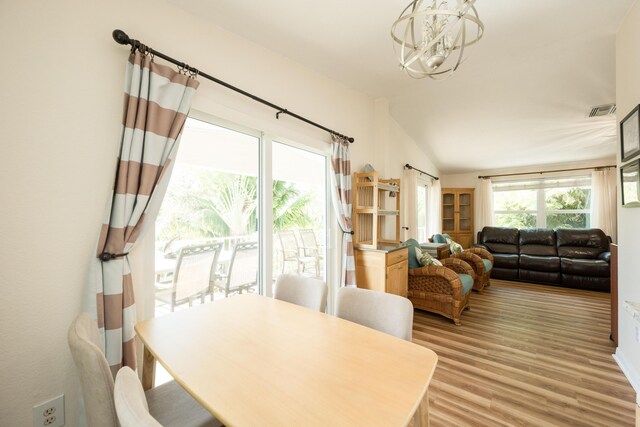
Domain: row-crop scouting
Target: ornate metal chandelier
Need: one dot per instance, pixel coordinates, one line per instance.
(430, 36)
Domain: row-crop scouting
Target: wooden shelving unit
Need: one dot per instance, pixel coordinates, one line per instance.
(457, 214)
(376, 210)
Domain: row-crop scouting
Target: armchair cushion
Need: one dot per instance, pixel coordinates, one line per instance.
(487, 265)
(440, 238)
(467, 283)
(412, 244)
(454, 247)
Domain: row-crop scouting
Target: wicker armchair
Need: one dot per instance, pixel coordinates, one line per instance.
(439, 289)
(474, 257)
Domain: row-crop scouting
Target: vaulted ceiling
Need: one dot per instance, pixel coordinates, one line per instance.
(520, 99)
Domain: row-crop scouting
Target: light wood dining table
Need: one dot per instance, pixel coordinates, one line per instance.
(256, 361)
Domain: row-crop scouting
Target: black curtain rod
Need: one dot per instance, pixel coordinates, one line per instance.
(122, 38)
(540, 172)
(408, 166)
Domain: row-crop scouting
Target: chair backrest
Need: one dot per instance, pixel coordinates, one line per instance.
(96, 379)
(193, 269)
(131, 403)
(243, 266)
(385, 312)
(305, 291)
(288, 242)
(308, 238)
(218, 246)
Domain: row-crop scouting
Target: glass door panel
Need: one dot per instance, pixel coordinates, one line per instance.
(299, 211)
(207, 228)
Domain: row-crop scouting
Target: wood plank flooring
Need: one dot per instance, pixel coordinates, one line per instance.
(526, 355)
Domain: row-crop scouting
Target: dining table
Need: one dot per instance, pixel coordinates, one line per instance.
(251, 360)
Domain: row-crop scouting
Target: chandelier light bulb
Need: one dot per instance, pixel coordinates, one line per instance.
(430, 36)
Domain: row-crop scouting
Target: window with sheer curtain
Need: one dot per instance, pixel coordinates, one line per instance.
(543, 203)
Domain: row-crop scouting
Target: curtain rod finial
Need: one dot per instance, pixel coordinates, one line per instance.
(121, 37)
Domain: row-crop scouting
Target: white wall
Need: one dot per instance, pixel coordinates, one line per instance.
(627, 97)
(62, 84)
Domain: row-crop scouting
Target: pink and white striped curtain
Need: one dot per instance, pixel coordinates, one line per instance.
(157, 101)
(342, 203)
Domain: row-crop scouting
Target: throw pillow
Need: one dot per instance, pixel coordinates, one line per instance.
(425, 259)
(455, 248)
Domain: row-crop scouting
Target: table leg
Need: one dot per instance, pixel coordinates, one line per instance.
(148, 369)
(421, 417)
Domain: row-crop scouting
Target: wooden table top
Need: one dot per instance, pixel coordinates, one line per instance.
(252, 360)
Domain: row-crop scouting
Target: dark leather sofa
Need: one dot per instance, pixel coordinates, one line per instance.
(565, 257)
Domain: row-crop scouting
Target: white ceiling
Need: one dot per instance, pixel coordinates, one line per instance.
(519, 100)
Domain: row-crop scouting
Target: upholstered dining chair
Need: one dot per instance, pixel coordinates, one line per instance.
(388, 313)
(481, 260)
(168, 403)
(301, 290)
(131, 404)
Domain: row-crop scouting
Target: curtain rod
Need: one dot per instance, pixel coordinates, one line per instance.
(540, 172)
(408, 166)
(122, 38)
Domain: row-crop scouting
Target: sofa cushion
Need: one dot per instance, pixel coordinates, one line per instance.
(487, 265)
(538, 241)
(586, 282)
(585, 267)
(500, 239)
(467, 282)
(581, 243)
(540, 263)
(505, 260)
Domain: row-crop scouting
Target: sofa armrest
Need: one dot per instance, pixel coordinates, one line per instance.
(606, 256)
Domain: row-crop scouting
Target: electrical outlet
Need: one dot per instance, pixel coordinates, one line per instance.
(49, 413)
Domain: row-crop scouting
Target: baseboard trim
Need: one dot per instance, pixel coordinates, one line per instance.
(628, 371)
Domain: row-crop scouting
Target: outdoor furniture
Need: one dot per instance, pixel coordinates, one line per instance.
(310, 247)
(388, 313)
(305, 291)
(169, 403)
(191, 278)
(291, 252)
(243, 270)
(271, 363)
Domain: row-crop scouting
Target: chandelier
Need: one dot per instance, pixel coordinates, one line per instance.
(430, 36)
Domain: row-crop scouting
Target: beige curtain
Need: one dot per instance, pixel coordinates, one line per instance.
(435, 211)
(604, 202)
(484, 202)
(157, 101)
(409, 190)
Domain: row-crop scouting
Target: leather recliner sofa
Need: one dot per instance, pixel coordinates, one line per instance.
(575, 258)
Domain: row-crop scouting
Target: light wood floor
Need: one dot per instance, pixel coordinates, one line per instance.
(526, 355)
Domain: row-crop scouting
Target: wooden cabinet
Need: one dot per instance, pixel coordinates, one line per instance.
(457, 215)
(381, 270)
(376, 210)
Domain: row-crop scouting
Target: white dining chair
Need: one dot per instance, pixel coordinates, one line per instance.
(131, 404)
(301, 290)
(388, 313)
(169, 403)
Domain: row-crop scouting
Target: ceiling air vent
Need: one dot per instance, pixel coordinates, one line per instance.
(602, 110)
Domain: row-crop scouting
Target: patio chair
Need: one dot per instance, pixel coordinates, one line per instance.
(291, 252)
(243, 269)
(310, 247)
(191, 278)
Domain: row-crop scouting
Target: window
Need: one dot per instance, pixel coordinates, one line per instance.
(544, 203)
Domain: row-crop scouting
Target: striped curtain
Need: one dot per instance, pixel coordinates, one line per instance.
(342, 197)
(157, 101)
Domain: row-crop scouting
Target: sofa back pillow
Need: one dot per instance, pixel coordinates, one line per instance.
(501, 240)
(581, 243)
(538, 242)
